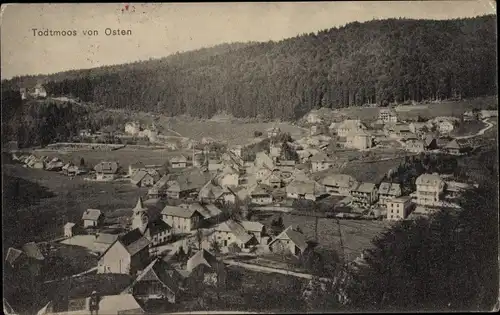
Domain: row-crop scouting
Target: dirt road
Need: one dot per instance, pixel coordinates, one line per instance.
(480, 132)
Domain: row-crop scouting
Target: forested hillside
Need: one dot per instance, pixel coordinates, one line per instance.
(394, 60)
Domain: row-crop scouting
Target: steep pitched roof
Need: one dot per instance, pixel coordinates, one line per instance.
(365, 187)
(296, 237)
(162, 182)
(395, 189)
(350, 124)
(157, 226)
(105, 238)
(458, 144)
(106, 167)
(260, 190)
(33, 251)
(202, 257)
(428, 179)
(320, 157)
(212, 210)
(133, 241)
(188, 181)
(138, 176)
(178, 159)
(236, 229)
(69, 225)
(301, 187)
(92, 214)
(252, 226)
(429, 139)
(341, 180)
(384, 188)
(179, 211)
(157, 270)
(12, 255)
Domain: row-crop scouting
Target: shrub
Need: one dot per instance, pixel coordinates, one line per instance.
(234, 248)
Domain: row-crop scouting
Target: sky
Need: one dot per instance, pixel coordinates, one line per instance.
(159, 30)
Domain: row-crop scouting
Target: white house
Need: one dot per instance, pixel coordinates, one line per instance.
(388, 191)
(359, 139)
(182, 220)
(430, 189)
(364, 195)
(127, 255)
(290, 241)
(320, 162)
(178, 161)
(303, 189)
(348, 125)
(339, 184)
(255, 228)
(92, 218)
(399, 208)
(68, 229)
(261, 195)
(387, 115)
(230, 231)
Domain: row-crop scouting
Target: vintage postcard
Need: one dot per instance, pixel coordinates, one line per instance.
(273, 157)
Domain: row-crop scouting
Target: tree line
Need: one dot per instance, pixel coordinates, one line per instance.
(380, 61)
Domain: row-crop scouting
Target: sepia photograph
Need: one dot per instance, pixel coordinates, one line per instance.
(250, 157)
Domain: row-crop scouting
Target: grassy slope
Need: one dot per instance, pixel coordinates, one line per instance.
(45, 219)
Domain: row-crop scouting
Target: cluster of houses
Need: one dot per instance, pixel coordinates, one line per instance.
(144, 251)
(36, 92)
(50, 164)
(415, 136)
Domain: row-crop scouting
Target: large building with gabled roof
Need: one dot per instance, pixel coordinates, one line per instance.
(127, 255)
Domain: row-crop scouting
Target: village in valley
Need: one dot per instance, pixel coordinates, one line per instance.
(296, 207)
(257, 158)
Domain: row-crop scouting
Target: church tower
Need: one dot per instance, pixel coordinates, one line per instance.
(140, 216)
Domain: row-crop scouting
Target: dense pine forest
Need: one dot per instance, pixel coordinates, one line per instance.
(395, 60)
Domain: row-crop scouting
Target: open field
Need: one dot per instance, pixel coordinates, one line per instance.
(446, 108)
(43, 219)
(371, 172)
(410, 112)
(356, 234)
(468, 128)
(124, 157)
(232, 133)
(364, 171)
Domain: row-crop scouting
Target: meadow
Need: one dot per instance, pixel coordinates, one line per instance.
(230, 132)
(357, 235)
(411, 112)
(41, 219)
